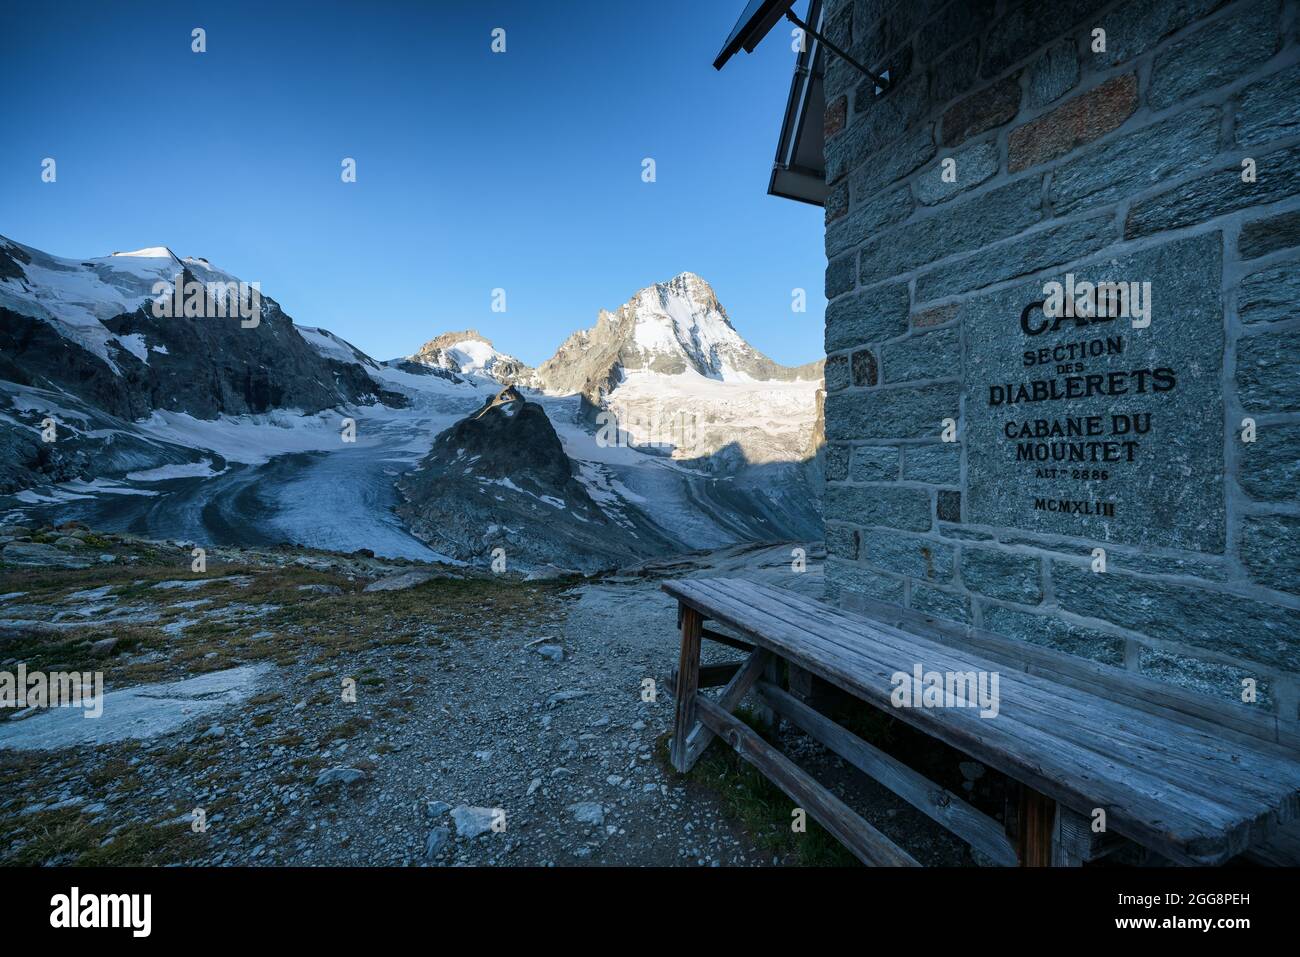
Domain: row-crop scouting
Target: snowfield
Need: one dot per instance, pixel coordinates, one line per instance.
(698, 416)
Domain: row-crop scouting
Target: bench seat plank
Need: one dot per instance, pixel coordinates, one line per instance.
(1171, 786)
(1263, 755)
(1145, 740)
(1221, 717)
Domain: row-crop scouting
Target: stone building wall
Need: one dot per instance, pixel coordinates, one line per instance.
(1128, 164)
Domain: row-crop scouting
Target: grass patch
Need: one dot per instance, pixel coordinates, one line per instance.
(348, 729)
(70, 837)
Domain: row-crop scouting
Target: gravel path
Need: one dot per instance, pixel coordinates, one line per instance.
(565, 750)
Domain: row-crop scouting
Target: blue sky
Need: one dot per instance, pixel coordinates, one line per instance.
(475, 170)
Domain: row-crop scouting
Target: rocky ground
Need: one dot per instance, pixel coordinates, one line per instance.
(496, 720)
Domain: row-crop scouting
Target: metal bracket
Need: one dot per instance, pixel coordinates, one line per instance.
(881, 80)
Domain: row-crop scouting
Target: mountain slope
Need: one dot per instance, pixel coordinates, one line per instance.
(80, 346)
(88, 328)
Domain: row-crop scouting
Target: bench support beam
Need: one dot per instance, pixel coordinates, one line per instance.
(698, 738)
(727, 640)
(845, 824)
(772, 675)
(711, 676)
(940, 805)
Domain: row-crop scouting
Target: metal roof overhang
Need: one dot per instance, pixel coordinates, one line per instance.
(756, 21)
(799, 172)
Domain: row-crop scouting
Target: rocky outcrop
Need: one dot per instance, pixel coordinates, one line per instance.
(499, 478)
(417, 368)
(88, 444)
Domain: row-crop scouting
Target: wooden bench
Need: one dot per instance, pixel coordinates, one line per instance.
(1193, 780)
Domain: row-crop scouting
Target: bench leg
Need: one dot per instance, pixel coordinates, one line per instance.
(1037, 823)
(1072, 838)
(1051, 835)
(688, 683)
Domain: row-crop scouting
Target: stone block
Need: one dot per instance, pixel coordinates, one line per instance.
(1073, 123)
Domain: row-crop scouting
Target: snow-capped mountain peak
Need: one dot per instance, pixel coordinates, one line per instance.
(681, 319)
(468, 353)
(673, 328)
(680, 435)
(86, 327)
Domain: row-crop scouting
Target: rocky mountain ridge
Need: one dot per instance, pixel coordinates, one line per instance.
(500, 479)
